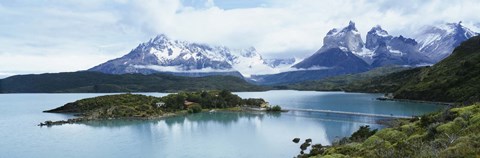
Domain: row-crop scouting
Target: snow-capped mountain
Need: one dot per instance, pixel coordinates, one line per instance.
(438, 42)
(335, 57)
(389, 50)
(162, 54)
(347, 39)
(376, 36)
(339, 49)
(380, 48)
(343, 52)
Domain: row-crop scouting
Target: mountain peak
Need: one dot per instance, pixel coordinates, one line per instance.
(407, 40)
(348, 38)
(162, 54)
(376, 36)
(160, 38)
(379, 31)
(457, 28)
(351, 26)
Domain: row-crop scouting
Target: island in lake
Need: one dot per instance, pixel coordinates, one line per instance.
(139, 106)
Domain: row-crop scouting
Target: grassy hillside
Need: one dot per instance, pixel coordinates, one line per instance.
(93, 82)
(450, 133)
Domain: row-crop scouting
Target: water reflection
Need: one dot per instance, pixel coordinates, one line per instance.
(323, 126)
(222, 118)
(220, 134)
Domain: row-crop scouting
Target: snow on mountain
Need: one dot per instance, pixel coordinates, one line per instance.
(162, 54)
(376, 36)
(249, 62)
(438, 42)
(380, 48)
(399, 51)
(342, 47)
(348, 39)
(337, 45)
(389, 50)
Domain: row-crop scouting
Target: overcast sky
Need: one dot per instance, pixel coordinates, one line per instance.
(70, 35)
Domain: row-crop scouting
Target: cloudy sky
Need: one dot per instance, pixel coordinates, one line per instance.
(70, 35)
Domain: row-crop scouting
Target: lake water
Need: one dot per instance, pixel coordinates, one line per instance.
(219, 134)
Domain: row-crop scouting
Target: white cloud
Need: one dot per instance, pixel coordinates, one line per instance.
(91, 32)
(12, 63)
(288, 27)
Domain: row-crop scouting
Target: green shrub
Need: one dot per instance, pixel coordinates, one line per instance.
(362, 133)
(195, 108)
(452, 127)
(391, 135)
(275, 108)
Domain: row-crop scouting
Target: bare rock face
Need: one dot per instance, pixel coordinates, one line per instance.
(346, 38)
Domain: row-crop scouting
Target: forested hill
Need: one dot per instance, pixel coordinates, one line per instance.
(95, 82)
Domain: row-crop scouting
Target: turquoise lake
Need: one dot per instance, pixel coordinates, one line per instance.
(217, 134)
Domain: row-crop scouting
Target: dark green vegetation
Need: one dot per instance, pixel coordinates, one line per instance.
(449, 133)
(141, 106)
(348, 82)
(95, 82)
(454, 79)
(275, 108)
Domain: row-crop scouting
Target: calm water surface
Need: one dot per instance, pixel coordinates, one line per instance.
(220, 134)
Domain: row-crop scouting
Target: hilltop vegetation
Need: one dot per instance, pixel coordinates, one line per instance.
(95, 82)
(450, 133)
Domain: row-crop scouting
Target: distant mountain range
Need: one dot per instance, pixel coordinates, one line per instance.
(454, 79)
(162, 54)
(343, 52)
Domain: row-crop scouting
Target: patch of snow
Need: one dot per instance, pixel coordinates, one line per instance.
(345, 49)
(365, 53)
(428, 39)
(395, 52)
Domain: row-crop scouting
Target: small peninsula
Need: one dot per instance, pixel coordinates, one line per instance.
(137, 106)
